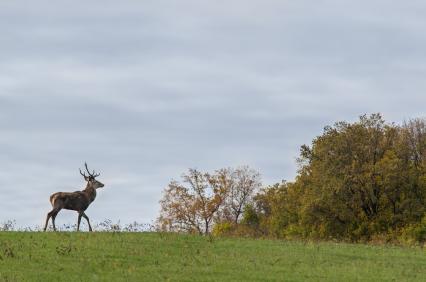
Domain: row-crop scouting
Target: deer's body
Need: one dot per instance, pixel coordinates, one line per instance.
(78, 201)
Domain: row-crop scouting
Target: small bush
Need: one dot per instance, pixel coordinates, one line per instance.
(223, 229)
(415, 233)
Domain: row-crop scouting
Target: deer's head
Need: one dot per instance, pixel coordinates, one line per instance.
(91, 178)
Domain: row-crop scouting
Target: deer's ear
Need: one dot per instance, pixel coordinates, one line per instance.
(87, 178)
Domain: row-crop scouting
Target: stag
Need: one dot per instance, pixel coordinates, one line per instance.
(78, 201)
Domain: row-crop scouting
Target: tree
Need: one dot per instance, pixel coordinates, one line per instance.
(205, 199)
(191, 206)
(241, 184)
(355, 180)
(343, 172)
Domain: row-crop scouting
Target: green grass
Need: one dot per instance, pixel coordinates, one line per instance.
(67, 256)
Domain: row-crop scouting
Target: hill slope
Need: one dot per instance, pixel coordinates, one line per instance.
(159, 257)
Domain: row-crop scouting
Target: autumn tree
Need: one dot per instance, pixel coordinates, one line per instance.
(240, 184)
(191, 206)
(203, 199)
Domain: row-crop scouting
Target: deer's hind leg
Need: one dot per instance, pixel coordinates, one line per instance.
(52, 214)
(57, 204)
(47, 221)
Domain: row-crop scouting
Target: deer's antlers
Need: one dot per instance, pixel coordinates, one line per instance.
(93, 174)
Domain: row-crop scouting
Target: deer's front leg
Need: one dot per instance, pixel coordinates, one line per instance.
(79, 220)
(85, 216)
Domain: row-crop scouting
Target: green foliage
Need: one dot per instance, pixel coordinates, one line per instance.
(113, 256)
(419, 233)
(357, 181)
(416, 233)
(223, 229)
(250, 216)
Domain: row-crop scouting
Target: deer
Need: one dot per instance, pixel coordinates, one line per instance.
(78, 201)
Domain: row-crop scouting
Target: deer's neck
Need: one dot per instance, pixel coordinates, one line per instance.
(91, 193)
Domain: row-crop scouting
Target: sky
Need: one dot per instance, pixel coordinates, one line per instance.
(144, 90)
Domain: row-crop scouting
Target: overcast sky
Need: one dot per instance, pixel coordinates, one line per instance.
(144, 90)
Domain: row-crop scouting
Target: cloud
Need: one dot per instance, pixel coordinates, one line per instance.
(143, 90)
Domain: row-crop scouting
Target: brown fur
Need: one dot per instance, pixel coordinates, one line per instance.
(78, 201)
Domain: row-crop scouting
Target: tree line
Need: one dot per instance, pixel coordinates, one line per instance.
(357, 181)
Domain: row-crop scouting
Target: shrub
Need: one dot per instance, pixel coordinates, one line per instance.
(416, 233)
(222, 229)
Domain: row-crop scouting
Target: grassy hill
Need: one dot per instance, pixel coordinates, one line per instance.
(105, 256)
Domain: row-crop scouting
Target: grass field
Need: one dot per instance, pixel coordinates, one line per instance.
(102, 256)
